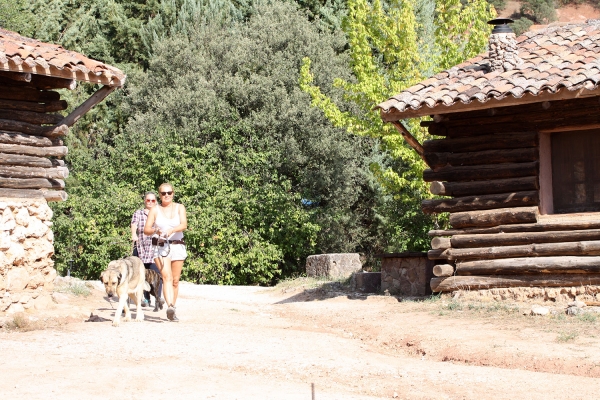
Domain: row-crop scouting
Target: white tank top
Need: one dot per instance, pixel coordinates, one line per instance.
(165, 223)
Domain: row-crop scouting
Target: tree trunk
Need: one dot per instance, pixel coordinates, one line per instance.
(439, 254)
(487, 202)
(55, 195)
(520, 238)
(586, 248)
(16, 76)
(54, 151)
(31, 183)
(481, 172)
(50, 82)
(443, 270)
(50, 106)
(501, 216)
(480, 143)
(440, 243)
(31, 117)
(32, 172)
(539, 227)
(27, 94)
(453, 283)
(458, 189)
(438, 160)
(27, 140)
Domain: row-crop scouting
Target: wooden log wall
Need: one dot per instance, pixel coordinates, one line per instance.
(486, 163)
(31, 148)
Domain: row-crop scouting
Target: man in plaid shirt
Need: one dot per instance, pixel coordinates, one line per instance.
(142, 244)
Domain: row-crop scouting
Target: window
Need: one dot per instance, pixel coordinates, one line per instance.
(575, 171)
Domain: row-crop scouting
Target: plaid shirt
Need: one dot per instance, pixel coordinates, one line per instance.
(144, 243)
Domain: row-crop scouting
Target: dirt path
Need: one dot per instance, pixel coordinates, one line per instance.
(255, 343)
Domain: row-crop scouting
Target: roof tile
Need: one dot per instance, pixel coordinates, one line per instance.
(560, 56)
(19, 53)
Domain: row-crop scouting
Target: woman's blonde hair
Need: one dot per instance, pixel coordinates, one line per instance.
(165, 184)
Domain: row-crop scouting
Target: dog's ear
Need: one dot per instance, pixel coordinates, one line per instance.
(119, 276)
(102, 276)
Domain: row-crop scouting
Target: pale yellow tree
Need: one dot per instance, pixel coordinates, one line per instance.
(392, 47)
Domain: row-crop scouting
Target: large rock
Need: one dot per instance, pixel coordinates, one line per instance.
(4, 240)
(17, 279)
(43, 302)
(36, 228)
(333, 265)
(7, 220)
(22, 217)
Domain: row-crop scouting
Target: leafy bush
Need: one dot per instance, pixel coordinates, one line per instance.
(540, 11)
(521, 25)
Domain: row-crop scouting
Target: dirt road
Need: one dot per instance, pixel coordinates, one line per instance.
(257, 343)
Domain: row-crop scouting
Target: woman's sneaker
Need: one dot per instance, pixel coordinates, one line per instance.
(171, 313)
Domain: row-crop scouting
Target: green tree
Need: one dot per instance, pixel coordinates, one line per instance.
(392, 47)
(219, 113)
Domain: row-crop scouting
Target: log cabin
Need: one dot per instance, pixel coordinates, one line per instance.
(515, 159)
(33, 123)
(31, 127)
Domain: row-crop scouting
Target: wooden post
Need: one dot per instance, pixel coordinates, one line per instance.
(500, 216)
(87, 105)
(523, 238)
(410, 139)
(487, 202)
(492, 186)
(452, 283)
(443, 270)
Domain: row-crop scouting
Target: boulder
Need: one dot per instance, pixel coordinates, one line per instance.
(15, 308)
(539, 310)
(60, 298)
(43, 212)
(340, 265)
(17, 279)
(4, 240)
(37, 228)
(43, 302)
(22, 217)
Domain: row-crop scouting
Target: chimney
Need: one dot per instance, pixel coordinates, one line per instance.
(503, 46)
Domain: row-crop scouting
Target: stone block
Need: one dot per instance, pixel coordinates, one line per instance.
(341, 265)
(17, 279)
(15, 308)
(368, 282)
(43, 302)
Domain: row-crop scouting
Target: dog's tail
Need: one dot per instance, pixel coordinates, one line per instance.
(146, 286)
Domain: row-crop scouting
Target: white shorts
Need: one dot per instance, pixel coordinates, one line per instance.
(176, 252)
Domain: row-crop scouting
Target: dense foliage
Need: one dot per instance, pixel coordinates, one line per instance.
(393, 46)
(213, 105)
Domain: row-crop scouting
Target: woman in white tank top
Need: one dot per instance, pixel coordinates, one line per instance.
(168, 221)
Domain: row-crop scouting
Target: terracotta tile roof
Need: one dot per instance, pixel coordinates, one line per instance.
(22, 54)
(561, 58)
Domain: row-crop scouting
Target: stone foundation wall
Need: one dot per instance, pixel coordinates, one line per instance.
(549, 294)
(406, 276)
(26, 246)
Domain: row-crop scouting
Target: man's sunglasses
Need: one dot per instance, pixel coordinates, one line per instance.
(166, 193)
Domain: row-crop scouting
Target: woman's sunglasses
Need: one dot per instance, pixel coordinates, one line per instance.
(166, 193)
(150, 200)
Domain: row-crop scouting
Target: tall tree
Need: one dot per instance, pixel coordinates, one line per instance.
(219, 113)
(393, 46)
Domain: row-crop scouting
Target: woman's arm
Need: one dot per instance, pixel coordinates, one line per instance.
(149, 229)
(134, 224)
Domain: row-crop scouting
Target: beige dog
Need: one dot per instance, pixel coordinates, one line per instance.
(126, 278)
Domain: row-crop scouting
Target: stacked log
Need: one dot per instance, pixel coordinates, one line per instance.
(486, 166)
(30, 132)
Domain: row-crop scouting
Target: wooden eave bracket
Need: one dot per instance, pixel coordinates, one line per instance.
(87, 105)
(410, 139)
